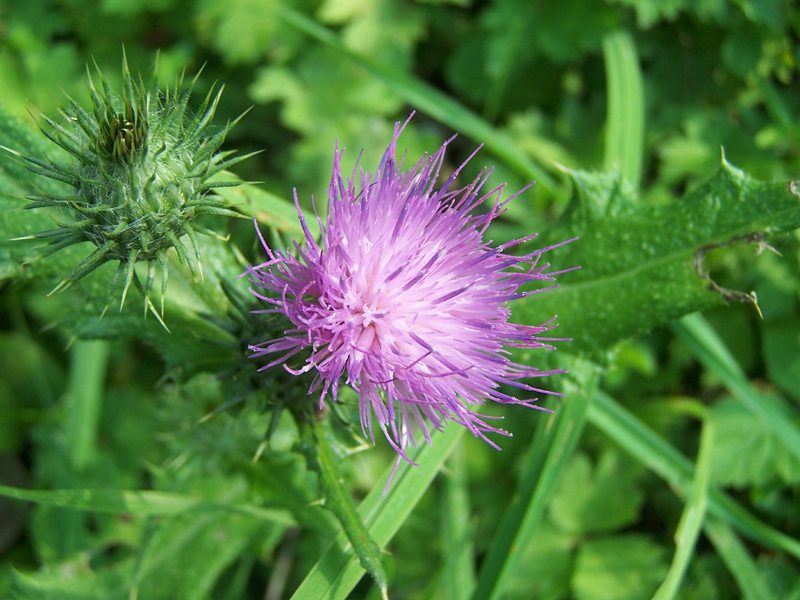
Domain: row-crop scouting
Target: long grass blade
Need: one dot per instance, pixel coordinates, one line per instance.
(692, 518)
(459, 575)
(657, 454)
(698, 335)
(140, 503)
(85, 390)
(546, 460)
(625, 123)
(431, 101)
(738, 560)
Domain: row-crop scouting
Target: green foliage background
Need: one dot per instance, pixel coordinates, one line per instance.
(671, 469)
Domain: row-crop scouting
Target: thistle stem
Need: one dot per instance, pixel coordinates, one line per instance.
(321, 457)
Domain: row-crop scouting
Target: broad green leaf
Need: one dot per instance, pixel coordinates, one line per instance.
(774, 412)
(781, 352)
(268, 209)
(338, 571)
(638, 262)
(545, 567)
(622, 567)
(185, 555)
(592, 499)
(243, 30)
(649, 448)
(746, 451)
(191, 344)
(17, 256)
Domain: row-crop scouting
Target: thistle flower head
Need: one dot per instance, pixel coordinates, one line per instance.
(141, 172)
(404, 298)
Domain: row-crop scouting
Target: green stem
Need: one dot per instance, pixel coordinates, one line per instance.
(338, 499)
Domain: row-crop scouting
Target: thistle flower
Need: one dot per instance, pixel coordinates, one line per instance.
(142, 172)
(404, 298)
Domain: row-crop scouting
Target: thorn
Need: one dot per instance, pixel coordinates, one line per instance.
(155, 312)
(63, 285)
(261, 447)
(754, 298)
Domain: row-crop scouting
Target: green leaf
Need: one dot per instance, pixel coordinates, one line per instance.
(781, 352)
(774, 412)
(459, 578)
(622, 567)
(185, 556)
(625, 123)
(140, 503)
(85, 391)
(545, 566)
(338, 499)
(747, 452)
(638, 262)
(268, 209)
(646, 446)
(593, 499)
(738, 560)
(692, 517)
(241, 30)
(338, 571)
(430, 101)
(192, 343)
(543, 466)
(70, 581)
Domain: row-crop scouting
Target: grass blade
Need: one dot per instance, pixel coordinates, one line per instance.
(85, 388)
(625, 123)
(657, 454)
(431, 101)
(548, 457)
(459, 574)
(141, 503)
(338, 571)
(692, 518)
(698, 335)
(737, 559)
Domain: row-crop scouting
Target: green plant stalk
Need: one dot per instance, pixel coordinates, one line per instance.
(338, 499)
(657, 454)
(338, 571)
(87, 374)
(692, 517)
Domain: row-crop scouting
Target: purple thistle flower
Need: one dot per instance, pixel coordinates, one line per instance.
(404, 297)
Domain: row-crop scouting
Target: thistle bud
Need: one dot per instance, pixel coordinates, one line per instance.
(142, 172)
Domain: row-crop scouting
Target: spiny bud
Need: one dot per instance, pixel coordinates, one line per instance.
(142, 173)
